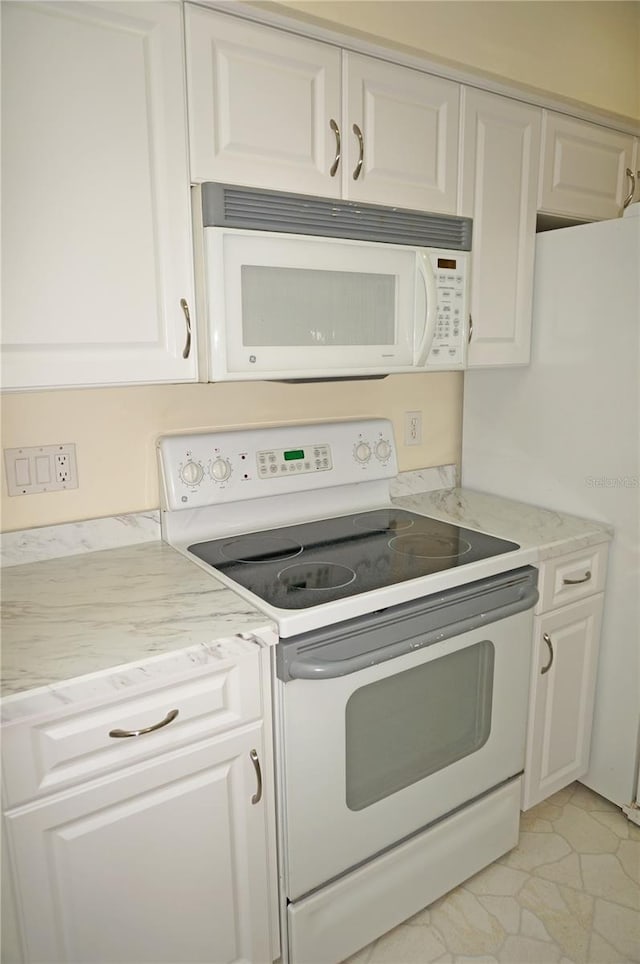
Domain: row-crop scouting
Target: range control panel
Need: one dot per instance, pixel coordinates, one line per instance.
(209, 468)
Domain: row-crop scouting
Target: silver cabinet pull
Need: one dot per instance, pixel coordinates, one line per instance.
(547, 639)
(187, 317)
(171, 715)
(257, 797)
(470, 330)
(336, 130)
(576, 582)
(358, 167)
(632, 179)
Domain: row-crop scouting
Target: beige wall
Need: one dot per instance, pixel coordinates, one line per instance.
(115, 430)
(584, 51)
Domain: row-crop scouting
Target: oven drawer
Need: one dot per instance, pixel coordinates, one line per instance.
(75, 745)
(569, 578)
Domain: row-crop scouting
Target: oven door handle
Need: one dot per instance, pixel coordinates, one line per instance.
(313, 667)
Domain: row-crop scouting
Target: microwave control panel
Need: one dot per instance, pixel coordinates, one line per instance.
(448, 348)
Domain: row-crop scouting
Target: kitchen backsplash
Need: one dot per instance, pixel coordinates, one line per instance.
(74, 538)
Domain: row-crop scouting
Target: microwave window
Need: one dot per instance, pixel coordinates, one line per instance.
(306, 307)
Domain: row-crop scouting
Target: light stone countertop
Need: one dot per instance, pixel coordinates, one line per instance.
(77, 627)
(81, 626)
(550, 533)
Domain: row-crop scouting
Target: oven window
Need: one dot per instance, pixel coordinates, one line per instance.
(404, 727)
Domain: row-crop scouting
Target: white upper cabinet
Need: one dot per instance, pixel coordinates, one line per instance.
(584, 169)
(261, 103)
(96, 254)
(400, 133)
(501, 150)
(271, 109)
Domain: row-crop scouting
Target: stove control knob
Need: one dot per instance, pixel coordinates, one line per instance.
(191, 473)
(383, 450)
(220, 470)
(362, 452)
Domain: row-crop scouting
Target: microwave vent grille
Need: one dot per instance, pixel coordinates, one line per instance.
(224, 205)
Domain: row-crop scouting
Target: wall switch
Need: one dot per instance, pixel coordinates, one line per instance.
(41, 468)
(412, 428)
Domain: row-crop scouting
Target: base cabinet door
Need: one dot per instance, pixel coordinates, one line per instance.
(500, 157)
(566, 643)
(166, 863)
(96, 229)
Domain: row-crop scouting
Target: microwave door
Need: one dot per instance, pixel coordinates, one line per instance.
(295, 307)
(426, 307)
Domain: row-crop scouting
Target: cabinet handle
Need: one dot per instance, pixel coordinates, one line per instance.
(187, 317)
(358, 167)
(257, 797)
(470, 336)
(336, 130)
(171, 715)
(632, 179)
(547, 639)
(576, 582)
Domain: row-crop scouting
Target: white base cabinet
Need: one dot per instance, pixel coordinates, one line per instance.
(170, 858)
(563, 674)
(96, 225)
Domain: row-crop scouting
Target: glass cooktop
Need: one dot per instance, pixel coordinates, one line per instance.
(311, 563)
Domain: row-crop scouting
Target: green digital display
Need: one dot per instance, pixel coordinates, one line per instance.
(293, 454)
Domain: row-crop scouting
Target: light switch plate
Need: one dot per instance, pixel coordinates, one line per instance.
(41, 468)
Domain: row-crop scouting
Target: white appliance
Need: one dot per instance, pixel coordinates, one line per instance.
(400, 679)
(303, 287)
(564, 433)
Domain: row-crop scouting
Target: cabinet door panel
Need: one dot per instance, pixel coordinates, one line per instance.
(409, 123)
(501, 153)
(584, 169)
(96, 221)
(261, 102)
(102, 873)
(566, 644)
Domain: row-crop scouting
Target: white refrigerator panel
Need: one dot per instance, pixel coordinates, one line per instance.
(564, 434)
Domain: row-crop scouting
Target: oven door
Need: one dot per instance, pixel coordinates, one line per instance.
(372, 756)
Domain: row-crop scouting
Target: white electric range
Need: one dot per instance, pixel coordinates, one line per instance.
(400, 680)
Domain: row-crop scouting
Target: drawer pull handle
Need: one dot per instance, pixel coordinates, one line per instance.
(257, 797)
(576, 582)
(171, 715)
(547, 639)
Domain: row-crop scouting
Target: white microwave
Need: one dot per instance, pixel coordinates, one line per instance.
(291, 293)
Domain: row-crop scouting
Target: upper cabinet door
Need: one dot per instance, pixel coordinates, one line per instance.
(584, 169)
(261, 105)
(96, 219)
(400, 136)
(501, 150)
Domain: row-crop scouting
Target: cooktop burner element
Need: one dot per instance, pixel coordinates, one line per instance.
(344, 556)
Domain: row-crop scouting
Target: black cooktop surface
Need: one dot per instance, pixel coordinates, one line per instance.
(311, 563)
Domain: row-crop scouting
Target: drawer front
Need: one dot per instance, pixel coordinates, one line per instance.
(75, 745)
(572, 577)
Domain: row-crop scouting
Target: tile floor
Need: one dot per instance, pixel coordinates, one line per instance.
(569, 892)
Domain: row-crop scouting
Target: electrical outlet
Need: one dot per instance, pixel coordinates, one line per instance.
(41, 468)
(412, 428)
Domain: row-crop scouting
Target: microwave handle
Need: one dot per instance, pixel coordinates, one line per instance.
(427, 275)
